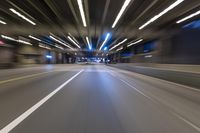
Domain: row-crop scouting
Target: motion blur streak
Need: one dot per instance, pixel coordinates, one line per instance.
(99, 66)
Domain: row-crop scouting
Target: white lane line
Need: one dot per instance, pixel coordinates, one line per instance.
(175, 114)
(133, 88)
(23, 116)
(188, 122)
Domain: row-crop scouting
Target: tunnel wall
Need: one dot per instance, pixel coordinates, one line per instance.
(6, 56)
(29, 54)
(13, 54)
(181, 48)
(185, 47)
(181, 77)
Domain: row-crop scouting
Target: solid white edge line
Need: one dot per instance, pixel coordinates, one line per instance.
(188, 122)
(132, 87)
(175, 114)
(23, 116)
(178, 116)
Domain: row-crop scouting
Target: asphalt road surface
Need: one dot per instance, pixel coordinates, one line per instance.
(94, 99)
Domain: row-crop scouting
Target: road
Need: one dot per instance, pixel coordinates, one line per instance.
(94, 99)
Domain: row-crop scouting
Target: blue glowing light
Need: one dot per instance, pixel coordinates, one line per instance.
(127, 54)
(105, 40)
(193, 25)
(49, 56)
(149, 46)
(105, 48)
(90, 48)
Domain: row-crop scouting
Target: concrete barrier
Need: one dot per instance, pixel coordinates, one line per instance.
(186, 78)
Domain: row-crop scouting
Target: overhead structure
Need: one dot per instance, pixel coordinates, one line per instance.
(93, 25)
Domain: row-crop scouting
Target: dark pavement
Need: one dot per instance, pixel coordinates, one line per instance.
(98, 99)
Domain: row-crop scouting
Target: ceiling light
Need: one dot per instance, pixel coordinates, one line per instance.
(2, 22)
(73, 41)
(88, 42)
(73, 38)
(119, 49)
(24, 42)
(57, 46)
(49, 56)
(162, 13)
(22, 16)
(44, 46)
(80, 5)
(12, 39)
(118, 44)
(148, 56)
(188, 17)
(8, 38)
(60, 42)
(34, 38)
(106, 39)
(105, 48)
(126, 3)
(134, 42)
